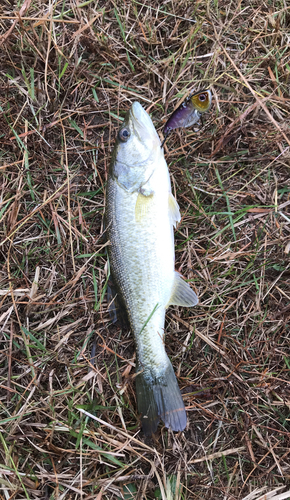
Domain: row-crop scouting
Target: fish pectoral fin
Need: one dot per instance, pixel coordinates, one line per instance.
(182, 294)
(142, 206)
(173, 209)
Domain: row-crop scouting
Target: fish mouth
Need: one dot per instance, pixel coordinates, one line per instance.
(142, 123)
(138, 111)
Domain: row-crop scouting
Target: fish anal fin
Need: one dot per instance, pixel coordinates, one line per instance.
(182, 294)
(173, 209)
(142, 206)
(160, 398)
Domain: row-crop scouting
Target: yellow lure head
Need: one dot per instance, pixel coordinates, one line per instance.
(201, 101)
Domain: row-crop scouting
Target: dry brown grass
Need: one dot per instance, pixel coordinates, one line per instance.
(68, 73)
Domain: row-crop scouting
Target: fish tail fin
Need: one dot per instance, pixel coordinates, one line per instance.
(160, 398)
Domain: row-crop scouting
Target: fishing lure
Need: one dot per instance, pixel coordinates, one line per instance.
(189, 112)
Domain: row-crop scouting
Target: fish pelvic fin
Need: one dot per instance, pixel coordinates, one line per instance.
(160, 398)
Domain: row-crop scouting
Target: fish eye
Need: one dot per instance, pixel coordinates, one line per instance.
(124, 134)
(202, 97)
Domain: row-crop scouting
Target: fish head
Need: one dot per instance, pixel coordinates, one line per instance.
(136, 150)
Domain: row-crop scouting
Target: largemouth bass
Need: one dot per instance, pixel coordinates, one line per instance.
(140, 215)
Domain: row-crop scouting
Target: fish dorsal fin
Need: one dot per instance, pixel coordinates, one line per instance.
(182, 294)
(117, 309)
(142, 206)
(111, 295)
(173, 210)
